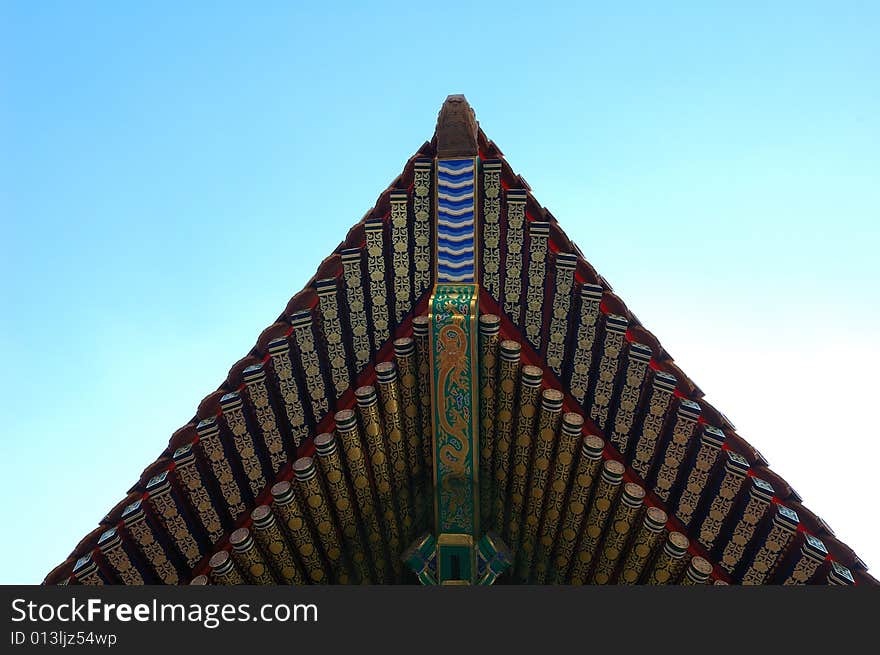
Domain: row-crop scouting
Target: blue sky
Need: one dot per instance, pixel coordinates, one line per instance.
(170, 176)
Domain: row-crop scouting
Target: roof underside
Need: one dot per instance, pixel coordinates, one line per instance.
(690, 490)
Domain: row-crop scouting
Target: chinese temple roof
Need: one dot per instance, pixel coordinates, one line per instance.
(599, 459)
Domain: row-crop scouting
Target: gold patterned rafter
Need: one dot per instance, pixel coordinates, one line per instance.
(563, 463)
(357, 307)
(707, 456)
(113, 550)
(638, 358)
(609, 363)
(766, 558)
(213, 451)
(566, 263)
(539, 234)
(422, 226)
(600, 510)
(164, 505)
(136, 524)
(585, 337)
(491, 225)
(659, 402)
(642, 547)
(331, 328)
(199, 499)
(736, 469)
(513, 260)
(283, 372)
(258, 397)
(310, 361)
(617, 533)
(314, 496)
(542, 456)
(508, 375)
(249, 559)
(271, 539)
(530, 385)
(578, 504)
(288, 507)
(677, 447)
(760, 496)
(334, 477)
(243, 441)
(489, 343)
(356, 463)
(223, 569)
(400, 258)
(374, 230)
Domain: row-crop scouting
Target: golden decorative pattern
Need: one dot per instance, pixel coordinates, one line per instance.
(334, 477)
(734, 476)
(374, 231)
(638, 358)
(489, 328)
(542, 455)
(812, 556)
(587, 470)
(491, 266)
(400, 255)
(86, 572)
(659, 402)
(508, 374)
(249, 559)
(191, 481)
(212, 449)
(279, 352)
(530, 385)
(609, 363)
(594, 528)
(159, 494)
(243, 441)
(111, 547)
(223, 569)
(670, 560)
(697, 573)
(777, 541)
(756, 507)
(258, 395)
(357, 307)
(566, 451)
(312, 492)
(422, 227)
(272, 542)
(310, 360)
(289, 510)
(404, 355)
(423, 370)
(582, 360)
(513, 261)
(331, 328)
(356, 463)
(368, 408)
(137, 526)
(618, 531)
(565, 268)
(676, 449)
(389, 396)
(643, 545)
(539, 233)
(698, 477)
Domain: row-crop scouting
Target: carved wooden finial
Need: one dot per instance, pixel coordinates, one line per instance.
(456, 128)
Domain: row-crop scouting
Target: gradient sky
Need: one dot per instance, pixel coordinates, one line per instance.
(170, 174)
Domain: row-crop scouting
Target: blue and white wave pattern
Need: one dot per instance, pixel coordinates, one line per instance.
(455, 220)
